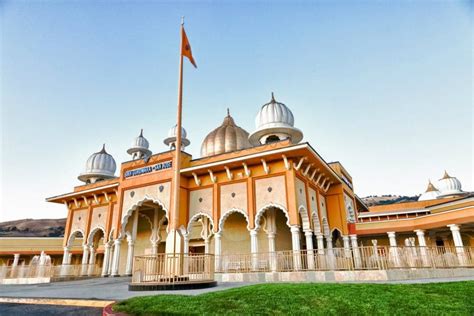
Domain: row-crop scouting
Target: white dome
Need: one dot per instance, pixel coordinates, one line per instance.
(431, 193)
(171, 139)
(99, 166)
(273, 122)
(448, 185)
(139, 147)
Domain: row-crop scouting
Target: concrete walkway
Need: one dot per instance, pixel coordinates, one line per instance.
(117, 289)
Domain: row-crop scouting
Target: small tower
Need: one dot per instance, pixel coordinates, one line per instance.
(99, 166)
(139, 148)
(274, 122)
(170, 141)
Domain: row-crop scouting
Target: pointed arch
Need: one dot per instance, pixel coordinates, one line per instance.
(228, 213)
(90, 238)
(305, 222)
(195, 217)
(268, 206)
(326, 230)
(73, 236)
(316, 223)
(136, 206)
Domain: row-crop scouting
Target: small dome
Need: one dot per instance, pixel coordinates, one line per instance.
(99, 166)
(226, 138)
(171, 139)
(139, 148)
(274, 122)
(448, 185)
(431, 193)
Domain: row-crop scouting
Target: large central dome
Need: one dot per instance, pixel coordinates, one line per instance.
(226, 138)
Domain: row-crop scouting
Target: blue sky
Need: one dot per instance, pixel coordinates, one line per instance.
(385, 87)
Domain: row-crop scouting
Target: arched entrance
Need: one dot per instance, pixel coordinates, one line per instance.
(234, 233)
(199, 232)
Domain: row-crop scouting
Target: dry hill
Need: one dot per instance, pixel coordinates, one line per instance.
(33, 228)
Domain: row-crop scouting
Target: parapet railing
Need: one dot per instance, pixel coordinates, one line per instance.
(361, 258)
(169, 269)
(48, 271)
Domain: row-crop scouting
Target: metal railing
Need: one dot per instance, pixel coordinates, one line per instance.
(48, 271)
(361, 258)
(168, 268)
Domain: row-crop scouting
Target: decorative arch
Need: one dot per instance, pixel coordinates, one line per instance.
(228, 213)
(326, 229)
(316, 223)
(305, 221)
(266, 207)
(136, 206)
(196, 216)
(90, 238)
(72, 236)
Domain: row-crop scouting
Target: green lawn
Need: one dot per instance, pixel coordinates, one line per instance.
(456, 298)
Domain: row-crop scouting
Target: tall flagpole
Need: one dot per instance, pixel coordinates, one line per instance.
(177, 156)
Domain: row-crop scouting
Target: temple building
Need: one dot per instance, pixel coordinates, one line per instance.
(248, 193)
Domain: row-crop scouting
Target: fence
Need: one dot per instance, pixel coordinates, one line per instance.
(361, 258)
(48, 271)
(169, 269)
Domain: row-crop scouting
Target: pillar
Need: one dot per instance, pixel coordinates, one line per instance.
(331, 260)
(272, 251)
(16, 259)
(295, 242)
(254, 248)
(185, 244)
(207, 242)
(394, 254)
(116, 257)
(422, 244)
(217, 250)
(356, 252)
(320, 241)
(92, 257)
(309, 249)
(105, 264)
(455, 231)
(66, 259)
(85, 259)
(131, 248)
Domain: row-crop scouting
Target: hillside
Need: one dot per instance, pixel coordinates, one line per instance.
(33, 228)
(374, 200)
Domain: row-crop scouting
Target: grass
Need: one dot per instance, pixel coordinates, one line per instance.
(455, 298)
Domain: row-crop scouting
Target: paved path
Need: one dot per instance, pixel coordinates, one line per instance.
(30, 309)
(117, 288)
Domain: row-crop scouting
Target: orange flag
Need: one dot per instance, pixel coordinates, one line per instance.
(186, 47)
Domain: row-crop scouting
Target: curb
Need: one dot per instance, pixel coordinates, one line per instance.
(107, 311)
(49, 301)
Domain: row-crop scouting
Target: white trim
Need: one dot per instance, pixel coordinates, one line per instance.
(373, 214)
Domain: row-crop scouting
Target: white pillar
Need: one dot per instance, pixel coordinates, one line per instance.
(92, 257)
(347, 245)
(16, 259)
(309, 249)
(217, 250)
(320, 241)
(455, 231)
(111, 259)
(207, 242)
(331, 260)
(295, 242)
(185, 244)
(131, 248)
(116, 258)
(272, 251)
(85, 259)
(356, 252)
(66, 256)
(393, 251)
(106, 262)
(254, 248)
(422, 244)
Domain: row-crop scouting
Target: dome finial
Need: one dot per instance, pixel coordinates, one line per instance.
(273, 98)
(141, 132)
(228, 112)
(430, 187)
(446, 175)
(103, 149)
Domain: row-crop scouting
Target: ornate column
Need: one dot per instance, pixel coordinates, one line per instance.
(347, 246)
(320, 241)
(92, 257)
(393, 250)
(105, 264)
(16, 258)
(455, 231)
(356, 252)
(309, 249)
(272, 251)
(85, 259)
(254, 248)
(217, 250)
(66, 256)
(185, 244)
(131, 248)
(330, 253)
(422, 245)
(207, 242)
(295, 242)
(116, 257)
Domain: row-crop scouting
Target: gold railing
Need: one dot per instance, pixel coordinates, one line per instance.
(361, 258)
(48, 271)
(169, 269)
